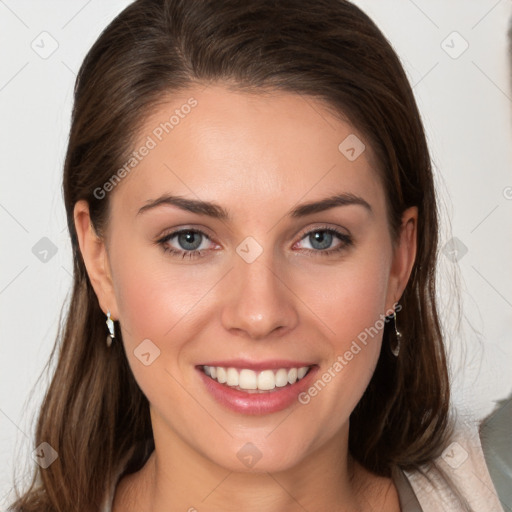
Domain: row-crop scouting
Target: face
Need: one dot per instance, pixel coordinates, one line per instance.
(258, 284)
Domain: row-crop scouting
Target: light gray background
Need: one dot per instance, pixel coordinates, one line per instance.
(465, 100)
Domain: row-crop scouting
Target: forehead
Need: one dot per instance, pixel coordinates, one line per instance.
(246, 150)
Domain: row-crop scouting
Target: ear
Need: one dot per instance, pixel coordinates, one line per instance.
(404, 256)
(96, 260)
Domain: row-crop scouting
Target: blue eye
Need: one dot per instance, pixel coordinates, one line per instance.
(190, 240)
(321, 240)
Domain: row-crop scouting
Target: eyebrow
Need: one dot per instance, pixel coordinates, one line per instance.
(216, 211)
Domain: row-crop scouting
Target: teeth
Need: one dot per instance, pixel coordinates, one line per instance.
(221, 374)
(232, 377)
(246, 379)
(266, 380)
(281, 377)
(301, 372)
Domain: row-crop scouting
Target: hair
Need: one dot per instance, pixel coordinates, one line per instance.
(94, 414)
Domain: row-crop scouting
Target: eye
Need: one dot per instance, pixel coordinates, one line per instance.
(321, 240)
(190, 240)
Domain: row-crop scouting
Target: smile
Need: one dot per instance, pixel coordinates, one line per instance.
(252, 381)
(263, 388)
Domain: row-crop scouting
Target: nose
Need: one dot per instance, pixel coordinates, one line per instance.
(258, 301)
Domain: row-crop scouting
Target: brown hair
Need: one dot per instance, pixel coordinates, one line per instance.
(94, 414)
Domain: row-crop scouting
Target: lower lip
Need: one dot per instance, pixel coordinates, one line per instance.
(257, 403)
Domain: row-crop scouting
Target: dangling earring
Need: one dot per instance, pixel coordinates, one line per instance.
(110, 325)
(395, 350)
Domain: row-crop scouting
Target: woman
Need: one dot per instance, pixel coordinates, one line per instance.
(252, 212)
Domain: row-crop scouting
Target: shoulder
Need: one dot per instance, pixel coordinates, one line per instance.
(459, 479)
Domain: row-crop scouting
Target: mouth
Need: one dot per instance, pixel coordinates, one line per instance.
(256, 388)
(251, 381)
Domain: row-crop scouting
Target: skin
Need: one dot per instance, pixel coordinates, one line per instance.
(258, 156)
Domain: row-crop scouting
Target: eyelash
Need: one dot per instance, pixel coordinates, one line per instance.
(346, 239)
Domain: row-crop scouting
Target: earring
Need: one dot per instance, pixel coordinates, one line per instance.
(110, 325)
(395, 350)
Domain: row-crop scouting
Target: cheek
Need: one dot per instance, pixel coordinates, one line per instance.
(153, 294)
(154, 303)
(351, 305)
(359, 322)
(160, 301)
(348, 297)
(361, 299)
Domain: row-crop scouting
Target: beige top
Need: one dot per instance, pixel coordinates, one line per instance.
(459, 473)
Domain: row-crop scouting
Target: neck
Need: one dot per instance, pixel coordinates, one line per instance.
(177, 477)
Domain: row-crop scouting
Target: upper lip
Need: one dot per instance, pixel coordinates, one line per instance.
(270, 364)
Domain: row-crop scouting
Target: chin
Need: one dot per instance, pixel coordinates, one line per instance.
(260, 453)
